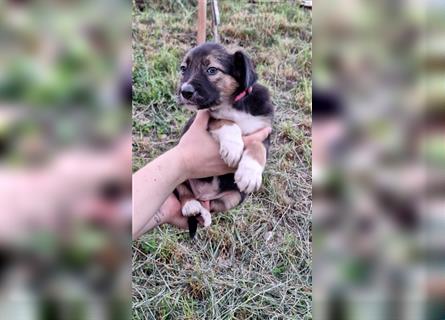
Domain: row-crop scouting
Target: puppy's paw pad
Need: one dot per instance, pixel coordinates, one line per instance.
(248, 177)
(231, 152)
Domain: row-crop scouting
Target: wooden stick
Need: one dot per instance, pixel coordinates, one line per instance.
(202, 6)
(215, 18)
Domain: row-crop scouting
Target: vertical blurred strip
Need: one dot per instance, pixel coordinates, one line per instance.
(432, 147)
(65, 159)
(379, 160)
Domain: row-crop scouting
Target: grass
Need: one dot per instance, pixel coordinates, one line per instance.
(255, 261)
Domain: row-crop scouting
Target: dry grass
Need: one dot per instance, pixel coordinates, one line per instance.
(255, 261)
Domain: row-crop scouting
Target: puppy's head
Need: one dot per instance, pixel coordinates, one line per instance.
(211, 76)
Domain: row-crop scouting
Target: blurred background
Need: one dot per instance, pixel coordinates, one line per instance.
(379, 160)
(65, 159)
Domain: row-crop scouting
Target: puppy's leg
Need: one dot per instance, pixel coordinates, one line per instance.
(190, 206)
(228, 201)
(248, 176)
(231, 145)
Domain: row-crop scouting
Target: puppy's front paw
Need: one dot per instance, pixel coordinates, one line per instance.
(248, 176)
(231, 151)
(194, 208)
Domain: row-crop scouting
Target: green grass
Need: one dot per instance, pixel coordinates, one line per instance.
(255, 261)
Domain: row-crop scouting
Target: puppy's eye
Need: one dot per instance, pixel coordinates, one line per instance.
(183, 68)
(212, 70)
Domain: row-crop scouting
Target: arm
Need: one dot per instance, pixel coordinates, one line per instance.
(156, 181)
(153, 202)
(152, 185)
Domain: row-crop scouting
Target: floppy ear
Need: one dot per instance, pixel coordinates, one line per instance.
(243, 71)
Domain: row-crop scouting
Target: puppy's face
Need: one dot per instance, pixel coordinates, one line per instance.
(211, 76)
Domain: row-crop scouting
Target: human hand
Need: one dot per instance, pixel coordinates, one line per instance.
(200, 152)
(170, 212)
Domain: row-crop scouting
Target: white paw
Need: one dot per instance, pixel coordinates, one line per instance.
(248, 176)
(206, 217)
(194, 208)
(231, 151)
(231, 144)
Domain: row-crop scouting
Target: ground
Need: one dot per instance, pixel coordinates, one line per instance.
(254, 262)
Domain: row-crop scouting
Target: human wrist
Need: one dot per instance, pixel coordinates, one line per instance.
(159, 218)
(184, 161)
(170, 210)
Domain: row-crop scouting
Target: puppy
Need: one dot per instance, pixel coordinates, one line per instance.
(225, 84)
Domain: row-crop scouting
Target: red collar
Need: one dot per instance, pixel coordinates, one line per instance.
(243, 94)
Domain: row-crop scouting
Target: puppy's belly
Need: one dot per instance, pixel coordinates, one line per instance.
(206, 191)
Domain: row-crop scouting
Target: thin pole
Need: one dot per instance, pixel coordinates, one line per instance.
(215, 16)
(201, 37)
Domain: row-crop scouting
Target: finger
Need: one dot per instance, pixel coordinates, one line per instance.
(206, 204)
(181, 223)
(260, 135)
(201, 119)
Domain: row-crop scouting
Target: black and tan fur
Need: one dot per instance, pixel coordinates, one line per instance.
(211, 78)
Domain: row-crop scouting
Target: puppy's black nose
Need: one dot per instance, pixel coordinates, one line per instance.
(187, 91)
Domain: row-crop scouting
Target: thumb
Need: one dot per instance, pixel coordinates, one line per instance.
(260, 135)
(201, 119)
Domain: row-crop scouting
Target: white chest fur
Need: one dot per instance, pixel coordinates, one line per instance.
(245, 121)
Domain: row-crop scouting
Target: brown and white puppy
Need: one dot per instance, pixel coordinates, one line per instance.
(225, 84)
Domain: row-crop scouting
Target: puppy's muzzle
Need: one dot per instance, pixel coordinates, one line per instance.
(187, 91)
